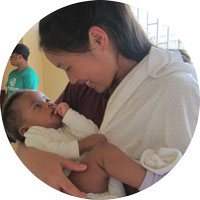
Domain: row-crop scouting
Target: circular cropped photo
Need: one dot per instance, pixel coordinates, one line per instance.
(100, 99)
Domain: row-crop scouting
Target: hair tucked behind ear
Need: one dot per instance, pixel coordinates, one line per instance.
(67, 28)
(12, 117)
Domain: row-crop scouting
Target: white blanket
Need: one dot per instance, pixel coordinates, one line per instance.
(160, 161)
(115, 190)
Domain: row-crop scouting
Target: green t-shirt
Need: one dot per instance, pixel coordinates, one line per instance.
(26, 79)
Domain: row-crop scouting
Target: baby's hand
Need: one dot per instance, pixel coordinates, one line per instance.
(96, 139)
(89, 142)
(61, 109)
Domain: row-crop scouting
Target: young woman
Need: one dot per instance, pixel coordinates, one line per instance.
(150, 95)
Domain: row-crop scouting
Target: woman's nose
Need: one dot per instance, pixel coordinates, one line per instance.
(71, 78)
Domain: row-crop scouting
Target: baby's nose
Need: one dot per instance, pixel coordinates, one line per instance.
(50, 104)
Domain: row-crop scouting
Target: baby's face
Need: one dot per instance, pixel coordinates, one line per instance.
(38, 110)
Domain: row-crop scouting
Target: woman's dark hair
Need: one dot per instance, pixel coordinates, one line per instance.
(12, 117)
(67, 28)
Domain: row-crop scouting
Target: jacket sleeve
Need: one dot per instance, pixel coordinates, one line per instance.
(180, 105)
(79, 125)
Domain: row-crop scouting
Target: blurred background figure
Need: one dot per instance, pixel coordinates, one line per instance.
(24, 77)
(184, 54)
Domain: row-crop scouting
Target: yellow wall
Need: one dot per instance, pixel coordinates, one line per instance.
(8, 68)
(52, 80)
(30, 39)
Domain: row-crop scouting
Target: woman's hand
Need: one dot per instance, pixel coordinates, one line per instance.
(49, 167)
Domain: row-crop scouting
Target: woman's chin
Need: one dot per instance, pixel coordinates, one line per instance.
(99, 90)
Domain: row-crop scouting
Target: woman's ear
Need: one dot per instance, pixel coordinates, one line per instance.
(97, 37)
(22, 130)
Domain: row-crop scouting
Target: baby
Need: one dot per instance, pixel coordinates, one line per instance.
(30, 117)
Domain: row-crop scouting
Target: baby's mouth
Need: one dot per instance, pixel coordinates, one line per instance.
(53, 111)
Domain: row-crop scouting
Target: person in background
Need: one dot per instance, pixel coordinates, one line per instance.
(24, 77)
(184, 54)
(151, 98)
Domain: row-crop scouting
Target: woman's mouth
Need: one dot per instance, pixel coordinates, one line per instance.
(52, 112)
(90, 84)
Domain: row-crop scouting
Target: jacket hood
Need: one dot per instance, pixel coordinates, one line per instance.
(162, 62)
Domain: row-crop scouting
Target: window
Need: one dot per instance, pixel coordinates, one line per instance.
(159, 34)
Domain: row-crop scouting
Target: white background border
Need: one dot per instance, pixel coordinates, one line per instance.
(17, 17)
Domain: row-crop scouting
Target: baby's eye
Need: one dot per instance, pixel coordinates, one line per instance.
(47, 100)
(37, 106)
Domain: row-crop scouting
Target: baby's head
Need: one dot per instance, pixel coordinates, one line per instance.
(26, 108)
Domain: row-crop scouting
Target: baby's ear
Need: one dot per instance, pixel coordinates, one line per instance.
(22, 130)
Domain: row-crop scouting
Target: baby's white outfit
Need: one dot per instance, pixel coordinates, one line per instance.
(64, 142)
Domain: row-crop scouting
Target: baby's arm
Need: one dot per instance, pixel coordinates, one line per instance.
(89, 142)
(78, 125)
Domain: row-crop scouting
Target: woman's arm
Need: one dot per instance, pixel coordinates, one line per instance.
(49, 167)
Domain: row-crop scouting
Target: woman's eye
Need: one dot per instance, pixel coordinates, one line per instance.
(67, 69)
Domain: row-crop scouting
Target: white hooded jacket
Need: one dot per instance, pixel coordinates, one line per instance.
(156, 105)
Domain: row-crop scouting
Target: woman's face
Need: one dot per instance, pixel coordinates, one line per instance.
(95, 68)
